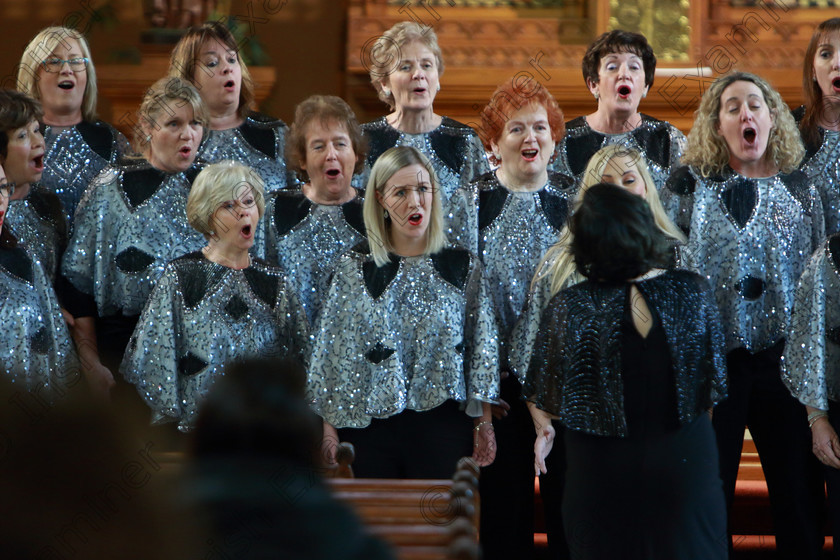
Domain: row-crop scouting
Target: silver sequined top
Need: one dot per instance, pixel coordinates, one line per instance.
(200, 316)
(455, 151)
(408, 335)
(823, 169)
(259, 142)
(661, 144)
(35, 349)
(130, 223)
(75, 156)
(811, 362)
(510, 231)
(751, 238)
(306, 240)
(38, 222)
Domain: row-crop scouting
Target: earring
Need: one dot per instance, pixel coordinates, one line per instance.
(438, 87)
(595, 94)
(148, 138)
(386, 215)
(386, 91)
(814, 78)
(644, 94)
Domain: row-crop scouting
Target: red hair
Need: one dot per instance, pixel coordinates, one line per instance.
(511, 96)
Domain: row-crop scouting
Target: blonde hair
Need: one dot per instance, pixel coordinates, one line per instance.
(708, 151)
(557, 264)
(184, 61)
(385, 53)
(216, 184)
(378, 228)
(165, 93)
(40, 48)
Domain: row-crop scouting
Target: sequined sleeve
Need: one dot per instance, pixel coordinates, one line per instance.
(524, 334)
(811, 361)
(345, 360)
(293, 322)
(151, 361)
(477, 163)
(36, 352)
(678, 197)
(714, 363)
(463, 218)
(818, 218)
(482, 348)
(93, 227)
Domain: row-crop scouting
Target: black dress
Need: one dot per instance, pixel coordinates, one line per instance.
(654, 494)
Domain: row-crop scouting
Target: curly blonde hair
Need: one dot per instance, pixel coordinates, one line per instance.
(708, 151)
(558, 265)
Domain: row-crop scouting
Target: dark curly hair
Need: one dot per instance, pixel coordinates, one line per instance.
(618, 41)
(615, 235)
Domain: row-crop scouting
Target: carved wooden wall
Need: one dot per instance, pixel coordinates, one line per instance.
(485, 42)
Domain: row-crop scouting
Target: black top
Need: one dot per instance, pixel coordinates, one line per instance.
(576, 370)
(650, 401)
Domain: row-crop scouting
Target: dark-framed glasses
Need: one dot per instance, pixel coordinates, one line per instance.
(54, 64)
(7, 190)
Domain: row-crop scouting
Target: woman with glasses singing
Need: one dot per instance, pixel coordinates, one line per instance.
(208, 57)
(56, 68)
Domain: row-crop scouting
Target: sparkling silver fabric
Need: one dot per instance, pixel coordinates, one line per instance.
(71, 163)
(37, 222)
(510, 231)
(200, 316)
(402, 337)
(306, 240)
(119, 248)
(751, 238)
(661, 143)
(811, 362)
(524, 334)
(454, 149)
(35, 349)
(576, 370)
(823, 169)
(238, 144)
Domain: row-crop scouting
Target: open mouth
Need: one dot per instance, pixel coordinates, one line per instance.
(333, 173)
(415, 219)
(419, 90)
(230, 84)
(624, 91)
(835, 83)
(66, 84)
(38, 163)
(749, 135)
(185, 151)
(246, 230)
(530, 154)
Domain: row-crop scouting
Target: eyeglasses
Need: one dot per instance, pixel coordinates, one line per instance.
(55, 64)
(7, 190)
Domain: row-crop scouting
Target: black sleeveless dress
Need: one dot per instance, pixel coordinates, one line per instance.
(655, 494)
